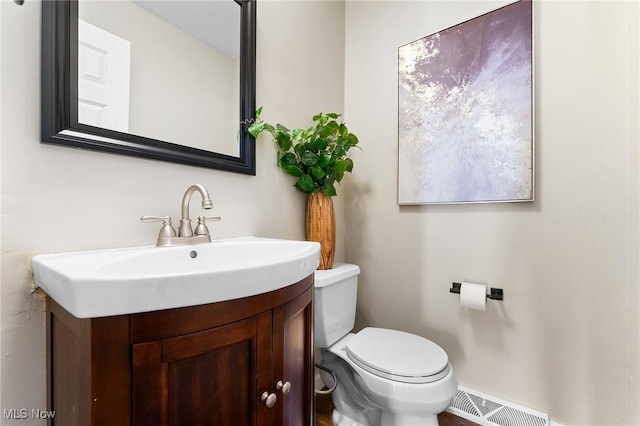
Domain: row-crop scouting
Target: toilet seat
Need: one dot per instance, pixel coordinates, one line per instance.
(398, 356)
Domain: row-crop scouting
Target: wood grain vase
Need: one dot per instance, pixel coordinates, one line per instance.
(321, 226)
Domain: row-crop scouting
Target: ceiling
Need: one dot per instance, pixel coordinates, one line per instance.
(214, 22)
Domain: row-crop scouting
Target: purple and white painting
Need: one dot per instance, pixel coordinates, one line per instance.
(465, 111)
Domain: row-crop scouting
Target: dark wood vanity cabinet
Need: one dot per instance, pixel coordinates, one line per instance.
(241, 362)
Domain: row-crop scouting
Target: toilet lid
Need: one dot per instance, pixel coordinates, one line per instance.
(398, 356)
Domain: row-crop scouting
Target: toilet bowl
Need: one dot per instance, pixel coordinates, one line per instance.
(385, 377)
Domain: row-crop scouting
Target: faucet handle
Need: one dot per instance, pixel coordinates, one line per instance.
(201, 227)
(210, 218)
(167, 229)
(151, 219)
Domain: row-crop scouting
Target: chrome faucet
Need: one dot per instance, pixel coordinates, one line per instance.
(186, 235)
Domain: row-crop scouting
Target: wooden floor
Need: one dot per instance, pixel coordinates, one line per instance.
(324, 408)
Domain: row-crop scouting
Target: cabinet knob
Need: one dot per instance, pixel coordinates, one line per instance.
(284, 387)
(269, 399)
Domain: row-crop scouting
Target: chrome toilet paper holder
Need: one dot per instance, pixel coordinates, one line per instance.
(494, 294)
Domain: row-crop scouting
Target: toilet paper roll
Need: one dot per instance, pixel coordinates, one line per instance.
(473, 296)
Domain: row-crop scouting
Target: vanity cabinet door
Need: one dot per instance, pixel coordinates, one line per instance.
(293, 361)
(211, 377)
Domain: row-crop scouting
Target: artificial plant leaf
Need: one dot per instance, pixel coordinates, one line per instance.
(300, 148)
(309, 158)
(339, 176)
(292, 170)
(298, 135)
(329, 189)
(282, 128)
(333, 115)
(320, 144)
(324, 159)
(349, 162)
(309, 146)
(325, 132)
(288, 159)
(284, 141)
(340, 165)
(316, 172)
(256, 128)
(304, 183)
(334, 125)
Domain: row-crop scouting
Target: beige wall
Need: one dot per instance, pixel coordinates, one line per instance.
(565, 339)
(59, 199)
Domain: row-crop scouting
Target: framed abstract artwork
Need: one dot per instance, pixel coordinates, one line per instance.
(465, 111)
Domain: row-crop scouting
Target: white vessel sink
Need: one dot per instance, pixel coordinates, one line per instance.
(102, 283)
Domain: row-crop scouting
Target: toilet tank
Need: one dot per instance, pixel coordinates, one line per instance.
(335, 296)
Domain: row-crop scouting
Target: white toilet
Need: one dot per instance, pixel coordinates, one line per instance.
(385, 377)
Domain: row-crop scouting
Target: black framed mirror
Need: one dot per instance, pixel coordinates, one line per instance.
(59, 114)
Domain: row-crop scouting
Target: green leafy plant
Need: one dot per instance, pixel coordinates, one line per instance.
(316, 156)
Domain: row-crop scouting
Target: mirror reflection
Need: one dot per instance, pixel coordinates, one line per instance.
(166, 70)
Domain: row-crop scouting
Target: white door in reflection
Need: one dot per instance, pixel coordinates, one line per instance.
(103, 78)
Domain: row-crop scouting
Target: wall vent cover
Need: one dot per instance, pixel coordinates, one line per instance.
(491, 411)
